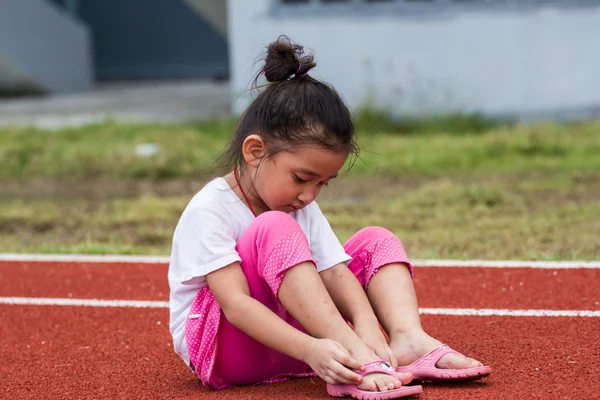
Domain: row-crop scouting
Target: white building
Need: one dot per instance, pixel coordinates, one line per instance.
(533, 58)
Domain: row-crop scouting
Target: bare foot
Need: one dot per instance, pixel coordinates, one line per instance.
(409, 348)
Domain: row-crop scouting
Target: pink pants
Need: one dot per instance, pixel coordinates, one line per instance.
(222, 355)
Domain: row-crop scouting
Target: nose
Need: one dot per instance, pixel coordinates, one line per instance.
(308, 195)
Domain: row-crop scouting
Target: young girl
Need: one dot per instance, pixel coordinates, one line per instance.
(261, 289)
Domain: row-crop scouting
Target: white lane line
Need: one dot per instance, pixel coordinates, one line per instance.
(483, 312)
(509, 264)
(417, 262)
(86, 258)
(32, 301)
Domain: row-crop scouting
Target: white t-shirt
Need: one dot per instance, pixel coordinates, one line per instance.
(205, 239)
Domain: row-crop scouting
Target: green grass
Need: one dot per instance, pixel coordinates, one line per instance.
(449, 186)
(370, 119)
(493, 217)
(187, 151)
(496, 218)
(108, 150)
(525, 148)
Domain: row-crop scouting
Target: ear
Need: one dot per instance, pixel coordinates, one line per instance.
(253, 149)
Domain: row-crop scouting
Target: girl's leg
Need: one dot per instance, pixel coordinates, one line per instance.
(281, 275)
(382, 267)
(271, 245)
(305, 297)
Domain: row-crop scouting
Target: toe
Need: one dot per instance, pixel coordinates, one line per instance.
(381, 385)
(475, 363)
(405, 377)
(368, 385)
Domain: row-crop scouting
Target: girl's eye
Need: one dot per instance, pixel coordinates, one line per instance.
(298, 179)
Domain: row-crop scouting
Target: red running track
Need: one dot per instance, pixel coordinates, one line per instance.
(60, 352)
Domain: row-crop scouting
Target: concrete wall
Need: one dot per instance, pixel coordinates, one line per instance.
(533, 62)
(214, 11)
(41, 45)
(13, 82)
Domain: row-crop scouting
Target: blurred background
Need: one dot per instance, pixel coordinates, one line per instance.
(478, 119)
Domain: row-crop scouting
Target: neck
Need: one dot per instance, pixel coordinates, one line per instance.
(246, 187)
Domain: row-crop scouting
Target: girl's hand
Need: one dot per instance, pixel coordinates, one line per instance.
(373, 337)
(332, 362)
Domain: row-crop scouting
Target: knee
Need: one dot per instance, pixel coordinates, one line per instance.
(275, 222)
(274, 218)
(383, 248)
(374, 233)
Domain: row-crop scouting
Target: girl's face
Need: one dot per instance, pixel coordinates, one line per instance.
(292, 179)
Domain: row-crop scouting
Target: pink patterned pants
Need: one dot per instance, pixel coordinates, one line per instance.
(222, 355)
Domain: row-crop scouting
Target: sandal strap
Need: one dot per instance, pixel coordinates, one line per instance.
(380, 366)
(431, 359)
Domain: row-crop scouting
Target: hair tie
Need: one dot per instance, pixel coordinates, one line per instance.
(298, 70)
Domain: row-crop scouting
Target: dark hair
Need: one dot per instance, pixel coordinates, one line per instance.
(293, 110)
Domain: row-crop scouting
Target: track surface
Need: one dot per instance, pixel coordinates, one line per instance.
(82, 352)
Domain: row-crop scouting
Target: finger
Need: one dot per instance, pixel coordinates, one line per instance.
(341, 379)
(341, 347)
(346, 374)
(346, 359)
(328, 379)
(393, 359)
(343, 356)
(383, 354)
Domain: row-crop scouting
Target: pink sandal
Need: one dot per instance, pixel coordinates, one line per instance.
(424, 369)
(383, 367)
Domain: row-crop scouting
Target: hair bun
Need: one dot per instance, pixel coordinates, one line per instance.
(285, 59)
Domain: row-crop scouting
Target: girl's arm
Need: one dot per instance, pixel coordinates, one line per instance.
(326, 357)
(349, 296)
(230, 288)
